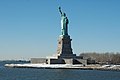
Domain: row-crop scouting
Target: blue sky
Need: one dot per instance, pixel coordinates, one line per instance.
(30, 28)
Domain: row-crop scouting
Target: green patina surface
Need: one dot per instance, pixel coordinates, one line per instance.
(64, 23)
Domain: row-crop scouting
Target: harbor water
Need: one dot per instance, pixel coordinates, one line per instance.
(55, 74)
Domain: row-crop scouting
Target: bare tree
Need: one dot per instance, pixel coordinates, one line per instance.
(106, 58)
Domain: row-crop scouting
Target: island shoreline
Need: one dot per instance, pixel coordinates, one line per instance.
(66, 66)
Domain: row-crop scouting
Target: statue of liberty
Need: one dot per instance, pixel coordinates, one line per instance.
(64, 22)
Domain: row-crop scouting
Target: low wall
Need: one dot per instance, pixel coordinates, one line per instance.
(56, 61)
(68, 61)
(82, 61)
(38, 60)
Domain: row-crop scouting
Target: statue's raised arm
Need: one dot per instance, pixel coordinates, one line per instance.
(60, 10)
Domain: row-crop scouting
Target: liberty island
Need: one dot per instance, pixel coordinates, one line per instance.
(64, 57)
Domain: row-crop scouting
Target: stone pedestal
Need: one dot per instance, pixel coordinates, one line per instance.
(64, 47)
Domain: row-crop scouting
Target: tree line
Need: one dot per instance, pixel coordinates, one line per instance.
(103, 58)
